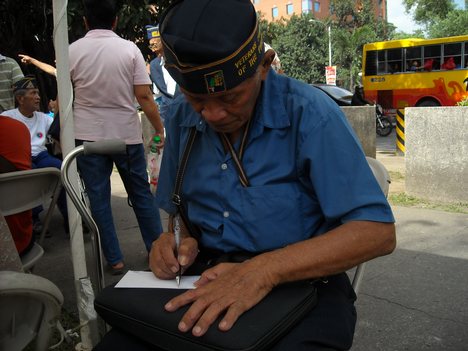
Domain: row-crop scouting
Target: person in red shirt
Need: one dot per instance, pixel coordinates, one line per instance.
(15, 155)
(449, 64)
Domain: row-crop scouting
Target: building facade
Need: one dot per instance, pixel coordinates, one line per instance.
(274, 10)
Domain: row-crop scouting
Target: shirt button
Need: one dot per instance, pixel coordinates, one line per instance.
(226, 214)
(224, 166)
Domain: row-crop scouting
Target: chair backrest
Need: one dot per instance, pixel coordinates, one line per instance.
(24, 190)
(380, 174)
(30, 306)
(9, 258)
(383, 178)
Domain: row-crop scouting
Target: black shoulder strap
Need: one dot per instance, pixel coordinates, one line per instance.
(176, 198)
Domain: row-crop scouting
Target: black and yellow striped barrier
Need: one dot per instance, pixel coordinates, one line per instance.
(400, 131)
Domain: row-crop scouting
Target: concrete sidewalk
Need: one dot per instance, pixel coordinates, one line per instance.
(414, 299)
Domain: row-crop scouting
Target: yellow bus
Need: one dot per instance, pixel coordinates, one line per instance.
(416, 72)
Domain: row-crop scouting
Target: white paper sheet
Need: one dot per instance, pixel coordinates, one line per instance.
(140, 279)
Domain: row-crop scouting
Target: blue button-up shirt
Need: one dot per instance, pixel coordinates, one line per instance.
(307, 172)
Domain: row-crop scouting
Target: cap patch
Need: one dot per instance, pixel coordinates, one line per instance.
(215, 82)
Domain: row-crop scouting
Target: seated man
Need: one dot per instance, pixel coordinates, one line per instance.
(275, 173)
(358, 98)
(15, 155)
(28, 99)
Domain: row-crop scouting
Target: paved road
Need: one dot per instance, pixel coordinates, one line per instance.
(386, 144)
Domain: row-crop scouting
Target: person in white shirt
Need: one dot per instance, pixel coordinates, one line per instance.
(27, 96)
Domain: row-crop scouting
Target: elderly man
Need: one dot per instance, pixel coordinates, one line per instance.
(275, 173)
(38, 123)
(166, 88)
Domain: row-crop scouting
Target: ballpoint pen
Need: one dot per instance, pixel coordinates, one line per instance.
(177, 240)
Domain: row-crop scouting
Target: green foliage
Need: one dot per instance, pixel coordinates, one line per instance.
(456, 23)
(302, 42)
(402, 199)
(271, 30)
(463, 102)
(344, 10)
(427, 12)
(348, 51)
(302, 48)
(416, 34)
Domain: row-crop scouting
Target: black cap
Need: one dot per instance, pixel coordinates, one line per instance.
(28, 82)
(211, 45)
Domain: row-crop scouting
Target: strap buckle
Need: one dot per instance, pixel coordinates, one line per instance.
(176, 199)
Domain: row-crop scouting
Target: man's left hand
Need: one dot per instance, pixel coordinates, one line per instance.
(227, 288)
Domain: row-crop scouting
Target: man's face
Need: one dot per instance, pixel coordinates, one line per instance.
(228, 111)
(30, 101)
(155, 45)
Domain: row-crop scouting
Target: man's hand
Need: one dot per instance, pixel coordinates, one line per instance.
(25, 59)
(163, 261)
(227, 288)
(159, 145)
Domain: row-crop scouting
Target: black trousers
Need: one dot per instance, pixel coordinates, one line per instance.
(329, 326)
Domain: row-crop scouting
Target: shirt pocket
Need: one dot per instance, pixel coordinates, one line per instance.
(272, 215)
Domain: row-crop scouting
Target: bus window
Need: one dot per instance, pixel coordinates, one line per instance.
(413, 58)
(381, 68)
(371, 63)
(453, 52)
(394, 60)
(432, 52)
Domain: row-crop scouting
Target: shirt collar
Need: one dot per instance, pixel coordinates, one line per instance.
(2, 58)
(270, 110)
(100, 33)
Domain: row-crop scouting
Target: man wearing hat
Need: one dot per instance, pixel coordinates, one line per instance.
(275, 173)
(166, 88)
(27, 96)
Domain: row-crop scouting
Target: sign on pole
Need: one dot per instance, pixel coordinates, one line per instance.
(330, 75)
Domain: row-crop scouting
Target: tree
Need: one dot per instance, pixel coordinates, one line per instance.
(456, 23)
(344, 10)
(302, 42)
(348, 52)
(301, 47)
(427, 12)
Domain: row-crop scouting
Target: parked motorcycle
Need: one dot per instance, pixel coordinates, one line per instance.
(384, 126)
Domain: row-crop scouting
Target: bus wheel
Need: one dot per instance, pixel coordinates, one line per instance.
(428, 103)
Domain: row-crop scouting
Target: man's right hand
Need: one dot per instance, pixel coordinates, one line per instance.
(162, 259)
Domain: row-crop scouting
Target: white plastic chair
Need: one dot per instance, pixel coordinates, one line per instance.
(29, 304)
(383, 178)
(24, 190)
